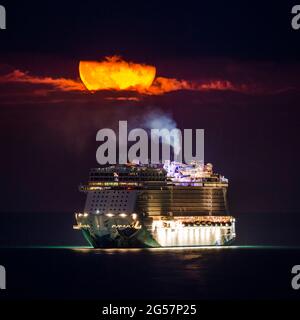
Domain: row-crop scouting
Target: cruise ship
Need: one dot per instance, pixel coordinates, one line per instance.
(170, 205)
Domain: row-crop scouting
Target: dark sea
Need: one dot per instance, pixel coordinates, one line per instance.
(45, 259)
(186, 273)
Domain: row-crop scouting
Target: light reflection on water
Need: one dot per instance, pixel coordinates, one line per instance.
(183, 249)
(161, 249)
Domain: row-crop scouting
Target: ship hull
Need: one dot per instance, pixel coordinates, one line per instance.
(141, 239)
(103, 232)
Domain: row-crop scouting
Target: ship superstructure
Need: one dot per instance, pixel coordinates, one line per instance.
(137, 205)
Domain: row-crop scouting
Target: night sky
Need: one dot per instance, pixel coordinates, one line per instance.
(251, 135)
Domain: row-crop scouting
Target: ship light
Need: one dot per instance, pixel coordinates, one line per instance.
(123, 215)
(109, 215)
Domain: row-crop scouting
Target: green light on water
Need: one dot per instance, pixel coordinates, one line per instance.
(90, 248)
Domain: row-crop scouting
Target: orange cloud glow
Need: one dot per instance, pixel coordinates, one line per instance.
(116, 74)
(59, 83)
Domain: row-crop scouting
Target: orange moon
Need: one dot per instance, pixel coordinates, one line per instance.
(116, 74)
